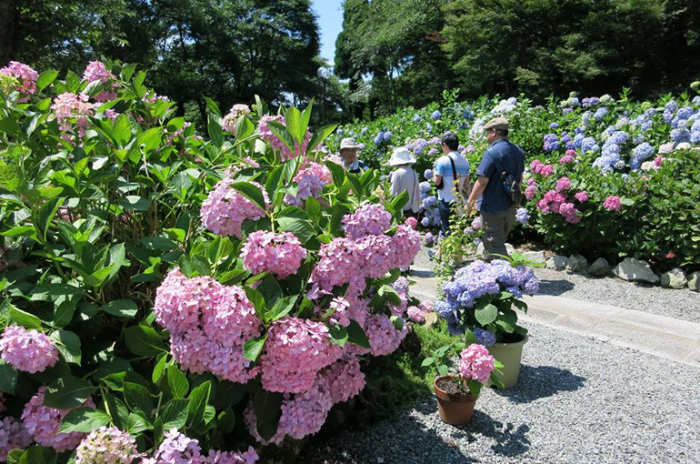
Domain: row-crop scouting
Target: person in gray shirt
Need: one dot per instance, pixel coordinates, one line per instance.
(405, 179)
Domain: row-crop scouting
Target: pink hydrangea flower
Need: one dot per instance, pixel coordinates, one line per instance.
(296, 349)
(543, 205)
(266, 134)
(224, 210)
(27, 350)
(570, 152)
(26, 76)
(107, 445)
(43, 422)
(383, 336)
(411, 222)
(280, 254)
(232, 457)
(581, 196)
(415, 314)
(370, 219)
(666, 148)
(177, 448)
(566, 159)
(13, 435)
(570, 213)
(405, 245)
(477, 222)
(563, 184)
(530, 191)
(658, 160)
(68, 106)
(476, 363)
(96, 71)
(231, 119)
(612, 203)
(547, 170)
(345, 378)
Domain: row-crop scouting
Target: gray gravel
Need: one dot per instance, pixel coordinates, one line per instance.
(578, 400)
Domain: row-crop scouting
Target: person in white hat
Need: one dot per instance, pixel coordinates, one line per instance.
(348, 151)
(405, 179)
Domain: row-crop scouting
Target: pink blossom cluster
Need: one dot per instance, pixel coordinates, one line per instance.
(208, 324)
(345, 378)
(68, 106)
(568, 157)
(556, 202)
(310, 181)
(476, 363)
(177, 448)
(172, 136)
(266, 134)
(538, 167)
(296, 349)
(345, 260)
(151, 97)
(612, 203)
(280, 254)
(43, 422)
(401, 287)
(411, 222)
(563, 184)
(531, 190)
(477, 223)
(27, 350)
(384, 338)
(224, 210)
(13, 435)
(415, 314)
(369, 219)
(97, 72)
(26, 76)
(107, 445)
(230, 121)
(581, 196)
(339, 310)
(232, 457)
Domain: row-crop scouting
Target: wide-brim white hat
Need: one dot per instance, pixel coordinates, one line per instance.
(349, 143)
(401, 156)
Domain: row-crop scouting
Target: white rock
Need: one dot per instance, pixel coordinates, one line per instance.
(694, 281)
(535, 256)
(557, 262)
(675, 278)
(510, 248)
(600, 267)
(577, 263)
(635, 270)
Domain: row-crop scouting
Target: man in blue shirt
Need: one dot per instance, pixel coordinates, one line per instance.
(348, 151)
(503, 162)
(452, 174)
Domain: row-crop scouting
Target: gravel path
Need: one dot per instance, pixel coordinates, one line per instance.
(679, 304)
(578, 400)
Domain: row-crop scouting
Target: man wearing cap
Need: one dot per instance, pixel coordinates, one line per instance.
(348, 151)
(502, 160)
(451, 175)
(405, 179)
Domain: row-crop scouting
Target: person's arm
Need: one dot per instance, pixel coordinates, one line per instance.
(394, 184)
(477, 191)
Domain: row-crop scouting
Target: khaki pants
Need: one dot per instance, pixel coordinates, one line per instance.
(497, 226)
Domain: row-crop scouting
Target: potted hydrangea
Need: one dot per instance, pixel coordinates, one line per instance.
(480, 301)
(457, 393)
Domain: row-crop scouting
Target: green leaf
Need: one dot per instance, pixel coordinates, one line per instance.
(43, 217)
(159, 369)
(427, 362)
(399, 202)
(68, 345)
(122, 130)
(356, 335)
(212, 107)
(339, 334)
(135, 203)
(138, 398)
(387, 292)
(198, 400)
(313, 207)
(251, 192)
(135, 423)
(253, 347)
(46, 79)
(177, 382)
(274, 181)
(33, 455)
(138, 84)
(174, 415)
(144, 341)
(83, 420)
(282, 307)
(8, 378)
(304, 230)
(486, 315)
(283, 134)
(337, 172)
(150, 139)
(26, 231)
(319, 136)
(293, 123)
(257, 300)
(271, 291)
(23, 318)
(214, 129)
(267, 406)
(68, 392)
(121, 308)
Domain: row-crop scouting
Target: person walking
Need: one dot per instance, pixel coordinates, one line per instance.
(405, 179)
(348, 151)
(451, 178)
(498, 184)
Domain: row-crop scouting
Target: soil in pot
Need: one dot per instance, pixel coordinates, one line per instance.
(452, 386)
(454, 404)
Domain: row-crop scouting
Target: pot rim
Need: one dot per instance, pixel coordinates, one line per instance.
(526, 337)
(455, 397)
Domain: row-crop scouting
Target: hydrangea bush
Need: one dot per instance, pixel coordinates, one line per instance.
(176, 297)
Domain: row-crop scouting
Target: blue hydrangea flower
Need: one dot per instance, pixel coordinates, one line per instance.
(554, 125)
(522, 215)
(387, 136)
(467, 114)
(640, 153)
(587, 144)
(429, 126)
(484, 337)
(436, 115)
(428, 174)
(425, 222)
(424, 187)
(680, 135)
(363, 131)
(600, 113)
(695, 137)
(416, 117)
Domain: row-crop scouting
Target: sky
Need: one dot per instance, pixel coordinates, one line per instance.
(330, 22)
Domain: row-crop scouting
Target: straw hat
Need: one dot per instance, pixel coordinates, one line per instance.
(349, 143)
(401, 156)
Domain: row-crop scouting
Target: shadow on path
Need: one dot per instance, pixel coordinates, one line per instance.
(423, 273)
(554, 287)
(535, 382)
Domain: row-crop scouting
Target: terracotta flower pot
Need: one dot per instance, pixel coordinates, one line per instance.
(454, 408)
